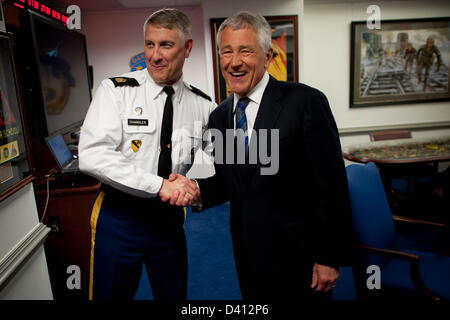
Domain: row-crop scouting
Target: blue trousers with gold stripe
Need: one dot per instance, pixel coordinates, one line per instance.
(127, 231)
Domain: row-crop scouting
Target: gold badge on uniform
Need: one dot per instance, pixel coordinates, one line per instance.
(120, 80)
(135, 145)
(138, 110)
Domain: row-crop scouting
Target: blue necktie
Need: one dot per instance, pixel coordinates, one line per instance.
(241, 123)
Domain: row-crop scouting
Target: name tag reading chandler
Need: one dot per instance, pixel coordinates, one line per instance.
(138, 122)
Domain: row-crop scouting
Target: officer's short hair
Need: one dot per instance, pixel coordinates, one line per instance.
(170, 18)
(244, 19)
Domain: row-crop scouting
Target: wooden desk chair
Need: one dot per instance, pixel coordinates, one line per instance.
(405, 273)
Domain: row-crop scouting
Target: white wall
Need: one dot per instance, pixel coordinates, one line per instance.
(31, 282)
(18, 216)
(327, 62)
(113, 37)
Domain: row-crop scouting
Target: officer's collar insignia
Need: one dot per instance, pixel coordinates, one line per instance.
(135, 145)
(122, 81)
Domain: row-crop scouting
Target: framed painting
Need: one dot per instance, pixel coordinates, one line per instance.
(14, 161)
(404, 61)
(284, 65)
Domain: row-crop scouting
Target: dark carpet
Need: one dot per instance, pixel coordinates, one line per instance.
(211, 269)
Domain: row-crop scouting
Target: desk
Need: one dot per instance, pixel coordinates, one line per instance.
(402, 151)
(70, 204)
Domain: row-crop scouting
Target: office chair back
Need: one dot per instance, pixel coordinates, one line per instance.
(390, 135)
(372, 220)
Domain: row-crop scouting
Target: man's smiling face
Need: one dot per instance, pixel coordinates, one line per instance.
(242, 60)
(165, 52)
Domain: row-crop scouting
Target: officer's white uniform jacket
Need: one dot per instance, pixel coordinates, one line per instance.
(120, 137)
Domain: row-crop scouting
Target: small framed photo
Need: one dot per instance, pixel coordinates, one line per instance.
(284, 65)
(405, 61)
(14, 161)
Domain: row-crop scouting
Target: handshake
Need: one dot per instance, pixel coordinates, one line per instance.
(180, 190)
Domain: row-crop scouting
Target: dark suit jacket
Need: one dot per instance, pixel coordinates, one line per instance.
(301, 214)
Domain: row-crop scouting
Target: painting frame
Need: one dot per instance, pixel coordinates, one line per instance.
(279, 25)
(15, 165)
(386, 72)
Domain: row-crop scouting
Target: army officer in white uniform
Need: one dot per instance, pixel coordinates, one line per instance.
(140, 127)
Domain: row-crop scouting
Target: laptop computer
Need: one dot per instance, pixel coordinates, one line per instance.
(67, 162)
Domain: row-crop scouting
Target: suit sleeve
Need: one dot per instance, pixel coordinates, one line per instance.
(212, 189)
(325, 166)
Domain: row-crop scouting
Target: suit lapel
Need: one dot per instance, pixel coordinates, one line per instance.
(269, 109)
(266, 117)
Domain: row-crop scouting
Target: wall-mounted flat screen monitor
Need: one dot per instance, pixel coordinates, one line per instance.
(64, 73)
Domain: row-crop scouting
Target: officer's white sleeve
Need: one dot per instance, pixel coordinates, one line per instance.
(98, 149)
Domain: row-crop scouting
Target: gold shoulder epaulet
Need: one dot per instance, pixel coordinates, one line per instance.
(122, 81)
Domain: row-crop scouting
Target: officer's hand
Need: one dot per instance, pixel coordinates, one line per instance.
(180, 190)
(192, 192)
(171, 190)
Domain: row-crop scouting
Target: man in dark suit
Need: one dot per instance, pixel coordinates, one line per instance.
(290, 219)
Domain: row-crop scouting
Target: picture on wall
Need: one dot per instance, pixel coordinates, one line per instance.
(405, 61)
(14, 166)
(284, 65)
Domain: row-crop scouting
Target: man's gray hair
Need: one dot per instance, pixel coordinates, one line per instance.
(244, 19)
(170, 18)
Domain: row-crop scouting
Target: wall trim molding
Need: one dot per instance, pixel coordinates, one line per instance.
(14, 259)
(417, 126)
